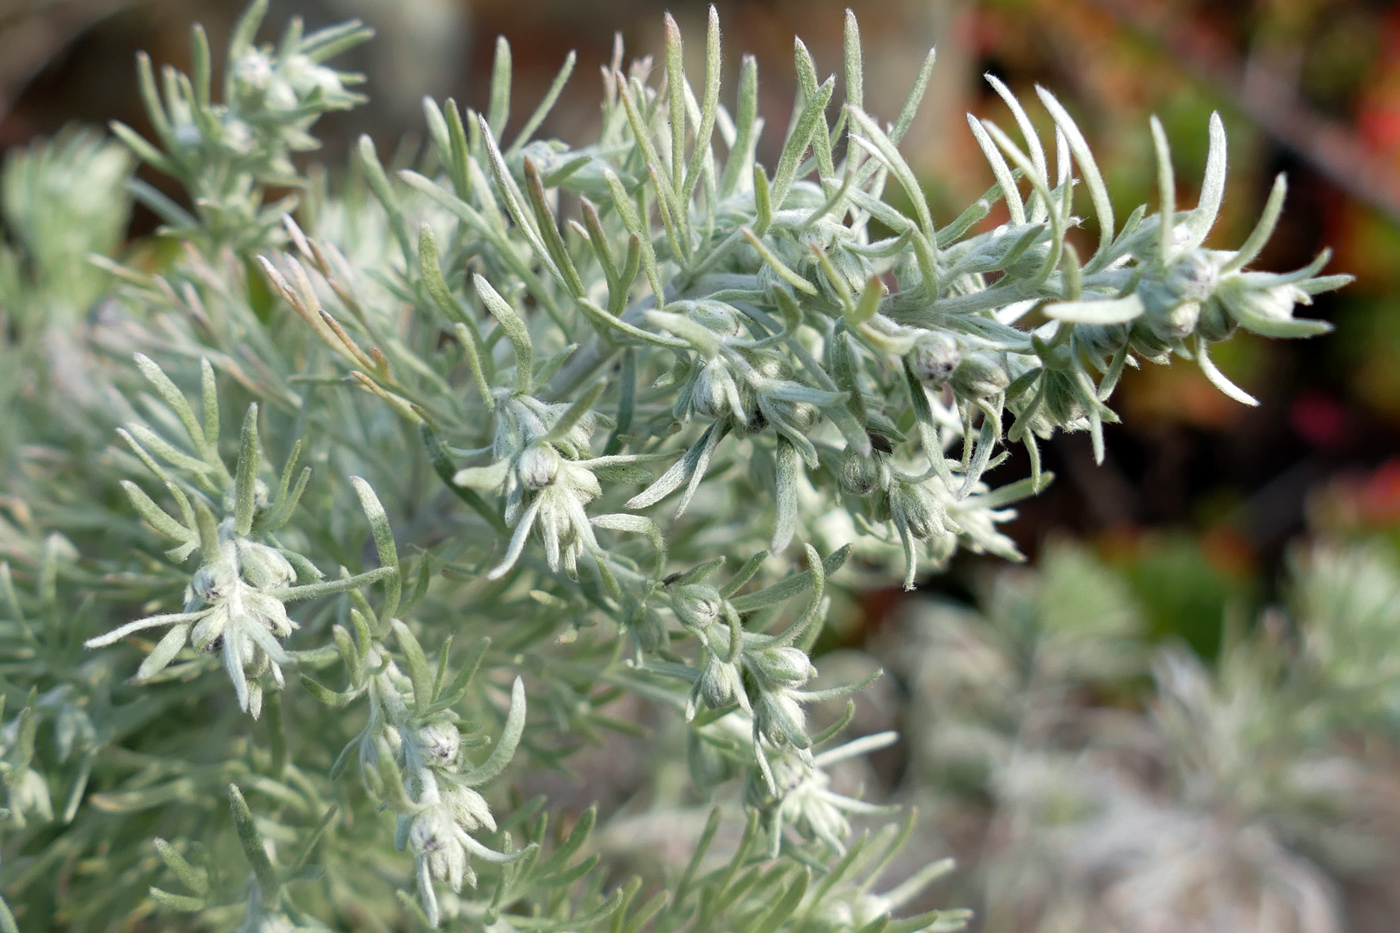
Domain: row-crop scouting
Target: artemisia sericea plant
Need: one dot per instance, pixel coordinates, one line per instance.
(433, 471)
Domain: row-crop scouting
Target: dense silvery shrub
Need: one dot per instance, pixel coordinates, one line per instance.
(425, 469)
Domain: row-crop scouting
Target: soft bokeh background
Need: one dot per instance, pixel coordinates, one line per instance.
(1200, 499)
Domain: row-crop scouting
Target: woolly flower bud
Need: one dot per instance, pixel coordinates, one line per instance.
(859, 475)
(262, 566)
(537, 466)
(773, 368)
(436, 840)
(800, 416)
(697, 605)
(779, 718)
(305, 76)
(713, 391)
(252, 71)
(980, 375)
(1060, 399)
(720, 683)
(1215, 323)
(782, 667)
(914, 507)
(468, 807)
(239, 138)
(934, 358)
(1271, 304)
(437, 744)
(261, 495)
(1174, 323)
(1192, 277)
(716, 317)
(213, 581)
(280, 95)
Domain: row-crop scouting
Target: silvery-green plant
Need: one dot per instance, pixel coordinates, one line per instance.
(486, 370)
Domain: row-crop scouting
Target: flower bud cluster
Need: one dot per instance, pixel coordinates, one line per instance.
(238, 616)
(801, 317)
(1201, 294)
(797, 794)
(742, 380)
(923, 510)
(227, 151)
(234, 605)
(974, 369)
(275, 98)
(759, 674)
(447, 811)
(545, 478)
(439, 808)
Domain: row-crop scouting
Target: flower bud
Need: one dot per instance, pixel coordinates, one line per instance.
(1192, 276)
(980, 375)
(261, 495)
(430, 830)
(697, 605)
(238, 136)
(468, 808)
(1146, 343)
(537, 465)
(879, 507)
(914, 507)
(1096, 339)
(30, 794)
(934, 358)
(710, 395)
(782, 667)
(262, 566)
(437, 744)
(773, 368)
(716, 317)
(252, 70)
(1060, 399)
(720, 683)
(780, 720)
(1272, 304)
(1175, 323)
(212, 581)
(1215, 323)
(859, 475)
(802, 416)
(434, 837)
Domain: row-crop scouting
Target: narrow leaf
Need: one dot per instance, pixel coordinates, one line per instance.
(246, 479)
(418, 672)
(515, 330)
(269, 888)
(1262, 230)
(505, 748)
(383, 543)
